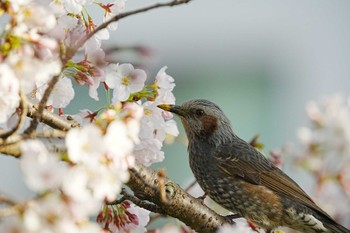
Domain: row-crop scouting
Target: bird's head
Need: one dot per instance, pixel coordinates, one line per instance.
(203, 120)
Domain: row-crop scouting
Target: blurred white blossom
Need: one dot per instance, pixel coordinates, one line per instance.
(42, 170)
(328, 136)
(9, 92)
(61, 95)
(85, 145)
(325, 153)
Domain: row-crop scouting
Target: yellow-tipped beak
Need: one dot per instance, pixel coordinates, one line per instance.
(166, 107)
(172, 108)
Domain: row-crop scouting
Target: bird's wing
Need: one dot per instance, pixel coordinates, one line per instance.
(243, 161)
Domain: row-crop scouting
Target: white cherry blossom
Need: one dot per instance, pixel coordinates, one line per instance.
(61, 95)
(148, 151)
(42, 170)
(125, 80)
(9, 92)
(113, 9)
(85, 144)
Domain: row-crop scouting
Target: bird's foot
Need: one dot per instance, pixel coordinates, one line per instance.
(202, 197)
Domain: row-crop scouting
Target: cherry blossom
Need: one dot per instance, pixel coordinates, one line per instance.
(71, 184)
(125, 80)
(32, 71)
(118, 143)
(42, 169)
(164, 81)
(32, 15)
(124, 217)
(9, 92)
(148, 151)
(112, 9)
(85, 144)
(166, 85)
(142, 219)
(325, 138)
(74, 6)
(51, 214)
(62, 94)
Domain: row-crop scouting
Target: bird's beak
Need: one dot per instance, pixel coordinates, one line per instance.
(172, 108)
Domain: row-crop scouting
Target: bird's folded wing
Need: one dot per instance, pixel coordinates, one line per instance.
(247, 163)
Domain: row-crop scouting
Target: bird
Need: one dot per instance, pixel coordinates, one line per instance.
(240, 178)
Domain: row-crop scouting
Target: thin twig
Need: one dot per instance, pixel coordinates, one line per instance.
(37, 117)
(6, 200)
(41, 106)
(144, 204)
(126, 14)
(23, 108)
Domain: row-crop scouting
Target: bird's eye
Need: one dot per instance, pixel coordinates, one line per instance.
(199, 112)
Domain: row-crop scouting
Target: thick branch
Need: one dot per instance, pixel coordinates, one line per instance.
(145, 184)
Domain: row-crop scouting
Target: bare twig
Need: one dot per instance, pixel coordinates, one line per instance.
(126, 14)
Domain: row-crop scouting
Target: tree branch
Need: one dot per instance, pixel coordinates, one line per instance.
(11, 144)
(147, 185)
(193, 212)
(52, 119)
(37, 116)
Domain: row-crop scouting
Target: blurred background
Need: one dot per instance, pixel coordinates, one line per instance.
(261, 61)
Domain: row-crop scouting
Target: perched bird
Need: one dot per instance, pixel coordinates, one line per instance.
(240, 178)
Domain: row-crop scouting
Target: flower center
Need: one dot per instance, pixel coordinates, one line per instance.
(126, 80)
(148, 112)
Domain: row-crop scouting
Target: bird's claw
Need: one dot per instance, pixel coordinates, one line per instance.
(201, 198)
(231, 217)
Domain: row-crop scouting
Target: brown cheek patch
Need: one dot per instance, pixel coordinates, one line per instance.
(209, 124)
